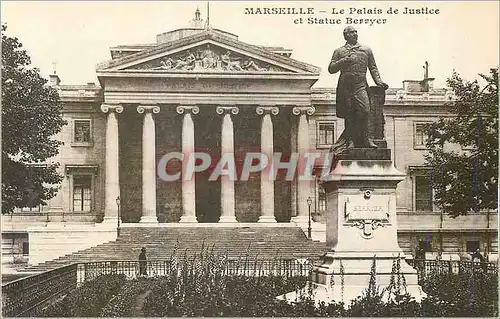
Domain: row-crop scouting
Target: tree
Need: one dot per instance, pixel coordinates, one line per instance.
(31, 116)
(466, 181)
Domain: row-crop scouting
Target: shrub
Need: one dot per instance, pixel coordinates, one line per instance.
(461, 295)
(87, 300)
(200, 286)
(122, 304)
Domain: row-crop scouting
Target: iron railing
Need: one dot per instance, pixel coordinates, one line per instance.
(440, 267)
(131, 269)
(23, 297)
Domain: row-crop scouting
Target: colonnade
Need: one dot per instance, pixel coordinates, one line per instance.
(112, 183)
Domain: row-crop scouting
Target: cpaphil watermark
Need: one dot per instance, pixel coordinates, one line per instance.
(307, 166)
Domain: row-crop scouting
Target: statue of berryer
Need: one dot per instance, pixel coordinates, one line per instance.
(359, 105)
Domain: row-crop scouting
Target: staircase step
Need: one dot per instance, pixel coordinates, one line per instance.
(235, 243)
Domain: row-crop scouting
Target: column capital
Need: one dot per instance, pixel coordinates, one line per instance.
(303, 110)
(227, 110)
(111, 108)
(263, 110)
(188, 109)
(148, 108)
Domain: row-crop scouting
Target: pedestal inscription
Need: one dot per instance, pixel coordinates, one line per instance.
(367, 212)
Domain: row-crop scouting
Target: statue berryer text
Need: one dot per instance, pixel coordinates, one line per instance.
(353, 101)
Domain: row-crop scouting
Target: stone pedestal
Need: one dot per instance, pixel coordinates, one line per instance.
(361, 228)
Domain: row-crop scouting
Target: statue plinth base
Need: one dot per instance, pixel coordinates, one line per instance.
(361, 227)
(364, 154)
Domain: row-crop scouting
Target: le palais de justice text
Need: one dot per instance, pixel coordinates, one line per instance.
(335, 15)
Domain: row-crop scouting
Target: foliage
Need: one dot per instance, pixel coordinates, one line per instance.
(87, 300)
(200, 286)
(394, 301)
(122, 304)
(466, 294)
(31, 116)
(466, 181)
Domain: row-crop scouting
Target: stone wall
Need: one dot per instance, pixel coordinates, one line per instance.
(53, 241)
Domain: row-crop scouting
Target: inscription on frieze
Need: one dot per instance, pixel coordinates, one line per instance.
(367, 212)
(216, 85)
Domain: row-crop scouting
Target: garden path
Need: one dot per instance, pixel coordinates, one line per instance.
(137, 310)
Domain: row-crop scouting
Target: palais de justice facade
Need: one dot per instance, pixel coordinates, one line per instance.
(201, 89)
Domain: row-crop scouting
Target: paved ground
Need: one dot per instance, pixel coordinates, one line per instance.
(137, 310)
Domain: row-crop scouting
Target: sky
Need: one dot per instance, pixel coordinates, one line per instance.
(75, 36)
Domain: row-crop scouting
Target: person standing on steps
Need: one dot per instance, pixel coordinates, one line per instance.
(143, 262)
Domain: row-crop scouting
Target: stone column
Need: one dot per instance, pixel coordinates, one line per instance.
(227, 147)
(148, 163)
(112, 182)
(188, 186)
(267, 148)
(303, 146)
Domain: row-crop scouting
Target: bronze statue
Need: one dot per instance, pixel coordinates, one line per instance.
(353, 102)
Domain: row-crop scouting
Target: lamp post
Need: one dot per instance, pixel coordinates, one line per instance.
(118, 222)
(309, 202)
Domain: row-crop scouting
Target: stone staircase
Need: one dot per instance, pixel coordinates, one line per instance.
(263, 243)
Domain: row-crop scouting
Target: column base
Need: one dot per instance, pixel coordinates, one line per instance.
(188, 219)
(149, 220)
(109, 220)
(227, 219)
(300, 220)
(267, 219)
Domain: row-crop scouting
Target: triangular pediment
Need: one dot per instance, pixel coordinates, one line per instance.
(209, 57)
(208, 52)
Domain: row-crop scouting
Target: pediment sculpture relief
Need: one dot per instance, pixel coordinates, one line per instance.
(209, 58)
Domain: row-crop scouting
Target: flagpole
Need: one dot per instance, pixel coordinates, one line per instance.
(208, 13)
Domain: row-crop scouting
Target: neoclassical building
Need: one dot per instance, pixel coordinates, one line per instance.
(201, 89)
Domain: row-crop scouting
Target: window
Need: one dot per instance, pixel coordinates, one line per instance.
(325, 134)
(82, 132)
(26, 248)
(472, 245)
(321, 199)
(82, 193)
(423, 193)
(419, 136)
